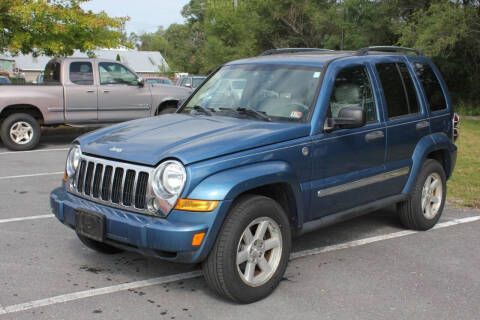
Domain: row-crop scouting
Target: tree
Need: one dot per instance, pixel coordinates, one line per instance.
(56, 27)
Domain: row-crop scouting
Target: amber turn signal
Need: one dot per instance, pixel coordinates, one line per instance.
(65, 177)
(197, 239)
(196, 205)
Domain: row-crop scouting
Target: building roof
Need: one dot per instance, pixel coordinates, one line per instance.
(140, 61)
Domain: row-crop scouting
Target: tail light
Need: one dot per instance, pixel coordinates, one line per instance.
(456, 127)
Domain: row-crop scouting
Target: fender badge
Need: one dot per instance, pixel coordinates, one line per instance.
(115, 149)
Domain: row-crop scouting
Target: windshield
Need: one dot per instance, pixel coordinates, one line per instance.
(281, 93)
(159, 80)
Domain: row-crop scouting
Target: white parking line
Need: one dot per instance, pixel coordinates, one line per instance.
(194, 274)
(31, 175)
(30, 151)
(43, 216)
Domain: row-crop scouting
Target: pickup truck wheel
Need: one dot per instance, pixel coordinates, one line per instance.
(170, 107)
(251, 252)
(425, 206)
(20, 131)
(98, 246)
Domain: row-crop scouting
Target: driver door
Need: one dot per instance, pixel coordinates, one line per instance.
(120, 98)
(348, 164)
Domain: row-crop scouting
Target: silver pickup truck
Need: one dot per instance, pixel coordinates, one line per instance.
(80, 91)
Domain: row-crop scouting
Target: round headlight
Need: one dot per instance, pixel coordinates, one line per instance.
(73, 159)
(169, 179)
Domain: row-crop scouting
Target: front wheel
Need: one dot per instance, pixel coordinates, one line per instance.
(425, 206)
(20, 132)
(252, 250)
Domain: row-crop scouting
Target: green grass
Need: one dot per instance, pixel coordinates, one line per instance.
(464, 185)
(465, 109)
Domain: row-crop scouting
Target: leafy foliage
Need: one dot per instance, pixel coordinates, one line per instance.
(56, 27)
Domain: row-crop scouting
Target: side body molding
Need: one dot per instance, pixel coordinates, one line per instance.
(434, 142)
(228, 184)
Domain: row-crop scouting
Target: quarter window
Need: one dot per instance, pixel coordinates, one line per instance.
(353, 89)
(398, 89)
(52, 72)
(431, 86)
(81, 73)
(115, 73)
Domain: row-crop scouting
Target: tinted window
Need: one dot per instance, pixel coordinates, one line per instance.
(431, 86)
(52, 72)
(353, 88)
(197, 81)
(81, 73)
(398, 91)
(115, 73)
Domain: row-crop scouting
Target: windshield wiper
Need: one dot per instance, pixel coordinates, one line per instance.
(203, 109)
(255, 113)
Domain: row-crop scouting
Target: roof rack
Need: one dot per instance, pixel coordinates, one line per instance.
(292, 50)
(364, 51)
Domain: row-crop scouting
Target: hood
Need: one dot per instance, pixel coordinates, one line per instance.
(185, 137)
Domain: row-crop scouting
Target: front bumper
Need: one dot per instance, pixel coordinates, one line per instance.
(168, 238)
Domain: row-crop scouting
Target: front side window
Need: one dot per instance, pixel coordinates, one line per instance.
(398, 89)
(353, 89)
(81, 73)
(115, 73)
(52, 72)
(431, 86)
(278, 92)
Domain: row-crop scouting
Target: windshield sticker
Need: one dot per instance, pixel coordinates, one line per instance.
(296, 114)
(316, 75)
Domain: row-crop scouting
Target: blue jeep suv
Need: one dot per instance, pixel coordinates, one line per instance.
(266, 149)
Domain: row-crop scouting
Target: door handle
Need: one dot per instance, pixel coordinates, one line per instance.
(90, 91)
(422, 125)
(106, 91)
(374, 136)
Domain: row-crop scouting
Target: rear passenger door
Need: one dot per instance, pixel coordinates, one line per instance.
(406, 119)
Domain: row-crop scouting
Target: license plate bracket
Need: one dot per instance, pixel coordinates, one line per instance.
(90, 224)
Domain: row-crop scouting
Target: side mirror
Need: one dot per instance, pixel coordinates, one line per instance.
(140, 82)
(348, 118)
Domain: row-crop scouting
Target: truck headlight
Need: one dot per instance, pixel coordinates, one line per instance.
(73, 159)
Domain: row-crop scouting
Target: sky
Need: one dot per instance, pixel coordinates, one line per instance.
(145, 15)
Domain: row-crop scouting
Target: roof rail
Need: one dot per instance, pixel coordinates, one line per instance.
(292, 50)
(364, 51)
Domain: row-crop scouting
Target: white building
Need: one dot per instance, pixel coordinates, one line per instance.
(145, 63)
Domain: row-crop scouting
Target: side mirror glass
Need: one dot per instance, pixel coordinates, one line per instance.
(348, 118)
(140, 82)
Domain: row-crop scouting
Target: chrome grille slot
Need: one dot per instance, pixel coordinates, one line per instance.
(112, 183)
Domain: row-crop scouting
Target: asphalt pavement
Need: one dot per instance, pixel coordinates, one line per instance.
(366, 268)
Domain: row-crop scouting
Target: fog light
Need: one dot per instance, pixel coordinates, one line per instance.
(196, 205)
(198, 239)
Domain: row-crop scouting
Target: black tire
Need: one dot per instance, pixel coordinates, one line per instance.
(168, 108)
(14, 119)
(98, 246)
(220, 267)
(410, 211)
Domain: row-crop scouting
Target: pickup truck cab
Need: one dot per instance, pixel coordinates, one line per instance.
(80, 91)
(312, 139)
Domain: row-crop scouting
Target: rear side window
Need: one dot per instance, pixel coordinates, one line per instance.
(52, 72)
(431, 86)
(81, 73)
(398, 89)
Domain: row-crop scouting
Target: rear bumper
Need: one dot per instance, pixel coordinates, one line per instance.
(168, 239)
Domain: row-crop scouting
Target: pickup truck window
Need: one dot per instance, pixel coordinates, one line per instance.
(81, 73)
(52, 73)
(353, 88)
(115, 73)
(431, 86)
(398, 89)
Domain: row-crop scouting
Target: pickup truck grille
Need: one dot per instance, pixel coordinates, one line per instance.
(113, 183)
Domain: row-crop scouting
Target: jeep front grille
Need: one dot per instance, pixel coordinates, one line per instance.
(112, 183)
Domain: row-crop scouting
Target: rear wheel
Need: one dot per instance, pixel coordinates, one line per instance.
(425, 206)
(252, 250)
(20, 132)
(98, 246)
